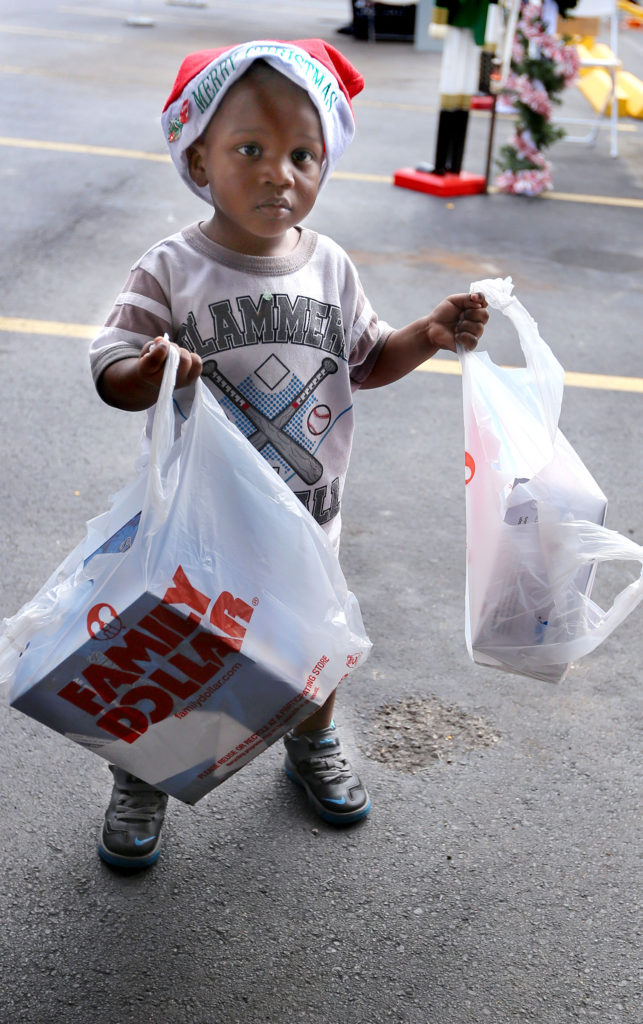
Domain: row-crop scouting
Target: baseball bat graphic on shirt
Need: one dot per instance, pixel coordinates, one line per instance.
(327, 367)
(304, 464)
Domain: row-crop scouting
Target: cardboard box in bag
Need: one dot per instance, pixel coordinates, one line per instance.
(162, 687)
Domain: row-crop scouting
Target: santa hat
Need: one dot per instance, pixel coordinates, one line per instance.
(204, 78)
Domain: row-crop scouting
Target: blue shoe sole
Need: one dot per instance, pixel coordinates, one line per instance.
(333, 818)
(128, 863)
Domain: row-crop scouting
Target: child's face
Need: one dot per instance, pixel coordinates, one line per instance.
(261, 157)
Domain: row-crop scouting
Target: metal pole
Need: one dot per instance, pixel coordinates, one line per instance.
(492, 127)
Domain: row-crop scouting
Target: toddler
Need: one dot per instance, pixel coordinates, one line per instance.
(272, 311)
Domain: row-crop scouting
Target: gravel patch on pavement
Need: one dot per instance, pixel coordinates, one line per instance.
(418, 732)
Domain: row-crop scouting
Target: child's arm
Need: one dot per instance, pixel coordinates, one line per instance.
(134, 383)
(457, 320)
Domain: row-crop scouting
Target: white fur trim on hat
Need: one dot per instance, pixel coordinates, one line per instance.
(188, 113)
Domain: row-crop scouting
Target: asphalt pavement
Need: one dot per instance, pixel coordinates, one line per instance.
(496, 880)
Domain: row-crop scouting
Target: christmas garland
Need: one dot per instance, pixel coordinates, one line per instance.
(541, 67)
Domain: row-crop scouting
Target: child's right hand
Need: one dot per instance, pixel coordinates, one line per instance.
(151, 363)
(133, 383)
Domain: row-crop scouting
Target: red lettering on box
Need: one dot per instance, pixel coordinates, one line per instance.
(162, 635)
(117, 721)
(106, 680)
(182, 690)
(227, 609)
(163, 703)
(184, 593)
(176, 622)
(82, 697)
(201, 673)
(211, 648)
(156, 628)
(136, 649)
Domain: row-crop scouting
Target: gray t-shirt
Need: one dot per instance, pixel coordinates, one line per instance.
(284, 341)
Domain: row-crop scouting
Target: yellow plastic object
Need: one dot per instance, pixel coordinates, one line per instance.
(601, 51)
(584, 51)
(632, 9)
(591, 53)
(595, 87)
(633, 89)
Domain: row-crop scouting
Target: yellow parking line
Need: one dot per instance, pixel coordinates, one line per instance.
(77, 147)
(478, 113)
(571, 197)
(566, 197)
(20, 325)
(94, 12)
(53, 33)
(603, 383)
(56, 328)
(382, 179)
(595, 381)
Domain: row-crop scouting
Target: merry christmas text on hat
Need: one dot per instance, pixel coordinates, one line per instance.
(204, 77)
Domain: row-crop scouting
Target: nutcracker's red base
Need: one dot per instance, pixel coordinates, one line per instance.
(462, 184)
(482, 102)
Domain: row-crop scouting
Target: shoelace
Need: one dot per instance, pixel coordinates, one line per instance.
(333, 768)
(137, 802)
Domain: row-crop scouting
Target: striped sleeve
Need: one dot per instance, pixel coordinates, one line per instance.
(141, 312)
(368, 337)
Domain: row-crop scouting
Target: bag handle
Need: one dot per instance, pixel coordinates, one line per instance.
(575, 544)
(160, 487)
(46, 611)
(547, 373)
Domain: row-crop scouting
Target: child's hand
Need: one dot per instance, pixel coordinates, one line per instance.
(458, 320)
(151, 363)
(133, 383)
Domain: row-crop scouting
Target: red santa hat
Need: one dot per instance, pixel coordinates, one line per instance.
(204, 78)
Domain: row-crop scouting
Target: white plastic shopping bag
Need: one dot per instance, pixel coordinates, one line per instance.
(535, 516)
(203, 615)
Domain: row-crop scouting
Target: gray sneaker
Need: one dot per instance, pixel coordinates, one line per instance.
(131, 836)
(316, 761)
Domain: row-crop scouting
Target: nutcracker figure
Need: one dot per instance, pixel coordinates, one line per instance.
(466, 27)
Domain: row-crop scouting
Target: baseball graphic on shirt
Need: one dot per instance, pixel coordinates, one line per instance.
(319, 420)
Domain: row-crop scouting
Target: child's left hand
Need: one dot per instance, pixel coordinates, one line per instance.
(458, 320)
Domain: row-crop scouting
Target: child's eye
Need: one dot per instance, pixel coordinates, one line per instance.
(302, 156)
(249, 149)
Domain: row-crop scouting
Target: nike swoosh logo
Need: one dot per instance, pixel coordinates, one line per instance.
(329, 800)
(142, 842)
